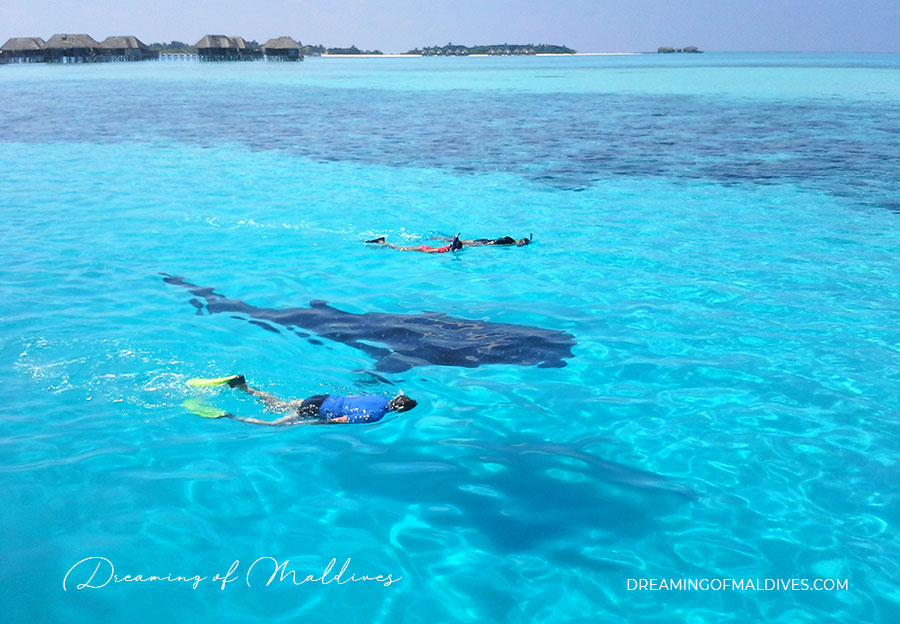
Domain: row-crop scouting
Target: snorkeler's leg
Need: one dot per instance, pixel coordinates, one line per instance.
(384, 243)
(281, 422)
(271, 401)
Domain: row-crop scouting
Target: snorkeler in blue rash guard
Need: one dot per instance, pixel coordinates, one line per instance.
(319, 409)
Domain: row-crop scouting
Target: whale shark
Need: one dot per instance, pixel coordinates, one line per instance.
(401, 341)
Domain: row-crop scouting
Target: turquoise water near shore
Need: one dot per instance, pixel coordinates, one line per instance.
(719, 234)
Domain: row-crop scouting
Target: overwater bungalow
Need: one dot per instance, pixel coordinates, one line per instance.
(224, 48)
(74, 49)
(128, 48)
(282, 49)
(24, 50)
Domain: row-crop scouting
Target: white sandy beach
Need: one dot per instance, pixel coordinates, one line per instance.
(474, 55)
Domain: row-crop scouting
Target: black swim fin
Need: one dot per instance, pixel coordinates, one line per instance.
(380, 239)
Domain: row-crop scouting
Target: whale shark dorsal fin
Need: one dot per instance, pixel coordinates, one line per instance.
(318, 303)
(393, 363)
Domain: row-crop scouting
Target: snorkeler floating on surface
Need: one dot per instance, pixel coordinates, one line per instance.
(321, 409)
(480, 242)
(455, 245)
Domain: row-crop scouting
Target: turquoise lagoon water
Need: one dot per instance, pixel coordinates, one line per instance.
(719, 234)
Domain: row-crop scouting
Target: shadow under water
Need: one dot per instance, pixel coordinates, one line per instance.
(524, 496)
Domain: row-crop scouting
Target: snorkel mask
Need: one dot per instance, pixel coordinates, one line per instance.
(455, 244)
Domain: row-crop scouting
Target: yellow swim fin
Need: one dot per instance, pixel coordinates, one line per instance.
(199, 408)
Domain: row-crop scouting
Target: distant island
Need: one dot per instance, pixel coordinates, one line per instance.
(176, 47)
(499, 49)
(689, 50)
(351, 50)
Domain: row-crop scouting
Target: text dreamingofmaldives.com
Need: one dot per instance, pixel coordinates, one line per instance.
(730, 584)
(99, 572)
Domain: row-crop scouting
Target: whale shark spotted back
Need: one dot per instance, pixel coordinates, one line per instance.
(409, 340)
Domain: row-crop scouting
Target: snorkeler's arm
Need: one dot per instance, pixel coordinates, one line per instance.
(288, 421)
(330, 421)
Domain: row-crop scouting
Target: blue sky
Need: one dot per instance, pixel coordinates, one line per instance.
(399, 25)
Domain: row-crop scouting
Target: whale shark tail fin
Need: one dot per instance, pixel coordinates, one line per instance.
(199, 408)
(230, 380)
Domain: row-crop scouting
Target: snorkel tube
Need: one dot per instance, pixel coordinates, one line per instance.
(455, 244)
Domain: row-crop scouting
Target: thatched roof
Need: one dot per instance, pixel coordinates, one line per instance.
(281, 43)
(24, 44)
(66, 42)
(221, 41)
(123, 42)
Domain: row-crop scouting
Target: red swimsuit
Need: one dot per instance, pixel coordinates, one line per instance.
(428, 249)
